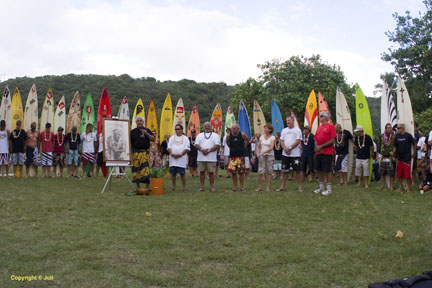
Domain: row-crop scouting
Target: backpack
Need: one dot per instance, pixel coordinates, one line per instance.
(419, 281)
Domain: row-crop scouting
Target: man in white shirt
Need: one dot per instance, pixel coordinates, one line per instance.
(290, 141)
(207, 144)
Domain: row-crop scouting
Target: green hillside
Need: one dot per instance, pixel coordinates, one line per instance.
(204, 95)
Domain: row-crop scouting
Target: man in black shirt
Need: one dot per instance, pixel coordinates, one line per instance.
(18, 138)
(363, 145)
(193, 155)
(404, 148)
(73, 144)
(344, 137)
(308, 153)
(237, 142)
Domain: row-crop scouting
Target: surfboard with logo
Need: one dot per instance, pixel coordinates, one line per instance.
(216, 119)
(194, 122)
(74, 115)
(323, 106)
(179, 116)
(123, 113)
(104, 110)
(229, 119)
(6, 108)
(138, 111)
(31, 113)
(151, 119)
(343, 117)
(277, 120)
(60, 115)
(404, 111)
(166, 121)
(244, 120)
(363, 118)
(311, 113)
(296, 122)
(88, 114)
(17, 109)
(258, 118)
(47, 115)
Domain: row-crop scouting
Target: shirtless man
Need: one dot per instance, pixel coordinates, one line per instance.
(32, 150)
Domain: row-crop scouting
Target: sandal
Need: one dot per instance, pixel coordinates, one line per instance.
(234, 190)
(258, 189)
(280, 189)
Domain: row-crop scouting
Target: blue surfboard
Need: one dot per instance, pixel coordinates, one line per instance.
(277, 120)
(243, 120)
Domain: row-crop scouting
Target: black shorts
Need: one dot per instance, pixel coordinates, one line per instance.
(193, 161)
(99, 159)
(290, 163)
(307, 161)
(323, 163)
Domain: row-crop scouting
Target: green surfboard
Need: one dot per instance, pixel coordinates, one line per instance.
(363, 118)
(88, 114)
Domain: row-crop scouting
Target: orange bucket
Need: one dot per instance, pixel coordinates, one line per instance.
(157, 186)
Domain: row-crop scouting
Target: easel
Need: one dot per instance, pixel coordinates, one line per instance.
(115, 171)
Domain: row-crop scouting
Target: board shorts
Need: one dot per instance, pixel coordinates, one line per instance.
(277, 165)
(362, 165)
(308, 162)
(59, 159)
(341, 163)
(247, 162)
(88, 158)
(403, 170)
(174, 170)
(99, 159)
(265, 164)
(323, 163)
(31, 156)
(192, 161)
(18, 158)
(237, 165)
(210, 167)
(4, 159)
(387, 168)
(290, 163)
(46, 159)
(73, 157)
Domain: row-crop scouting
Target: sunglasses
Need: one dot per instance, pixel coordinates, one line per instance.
(178, 129)
(399, 127)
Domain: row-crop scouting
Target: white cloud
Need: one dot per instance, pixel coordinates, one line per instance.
(166, 41)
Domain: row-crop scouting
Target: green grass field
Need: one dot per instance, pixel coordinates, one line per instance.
(66, 229)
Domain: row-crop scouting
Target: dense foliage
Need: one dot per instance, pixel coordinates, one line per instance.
(204, 95)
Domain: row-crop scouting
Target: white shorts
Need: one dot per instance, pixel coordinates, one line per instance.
(362, 165)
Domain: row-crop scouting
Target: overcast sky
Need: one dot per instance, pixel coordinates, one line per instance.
(206, 41)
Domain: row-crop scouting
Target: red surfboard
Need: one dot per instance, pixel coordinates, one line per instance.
(104, 112)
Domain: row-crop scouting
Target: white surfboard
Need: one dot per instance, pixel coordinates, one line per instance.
(31, 113)
(60, 115)
(404, 110)
(179, 116)
(6, 108)
(124, 110)
(47, 115)
(343, 117)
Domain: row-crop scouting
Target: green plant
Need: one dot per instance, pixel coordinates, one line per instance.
(157, 172)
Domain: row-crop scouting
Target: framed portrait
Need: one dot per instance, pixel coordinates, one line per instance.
(116, 142)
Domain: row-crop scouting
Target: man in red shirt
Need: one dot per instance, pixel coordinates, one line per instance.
(46, 142)
(324, 147)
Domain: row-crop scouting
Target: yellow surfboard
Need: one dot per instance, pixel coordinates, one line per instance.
(17, 109)
(138, 111)
(151, 120)
(258, 118)
(311, 113)
(166, 122)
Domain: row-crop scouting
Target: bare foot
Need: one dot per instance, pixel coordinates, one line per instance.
(358, 185)
(172, 188)
(258, 189)
(212, 190)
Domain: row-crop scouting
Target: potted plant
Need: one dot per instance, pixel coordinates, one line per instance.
(157, 175)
